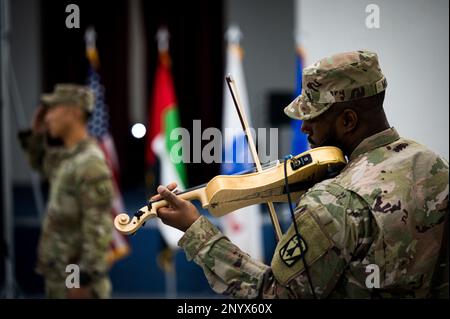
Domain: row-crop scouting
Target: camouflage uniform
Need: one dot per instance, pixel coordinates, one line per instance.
(388, 207)
(77, 227)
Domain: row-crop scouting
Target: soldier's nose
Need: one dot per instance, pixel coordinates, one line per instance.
(306, 128)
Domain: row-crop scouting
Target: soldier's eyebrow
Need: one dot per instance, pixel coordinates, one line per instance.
(322, 118)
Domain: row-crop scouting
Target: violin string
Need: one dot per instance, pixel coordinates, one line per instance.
(253, 169)
(297, 231)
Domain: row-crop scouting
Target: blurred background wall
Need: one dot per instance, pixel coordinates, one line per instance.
(412, 43)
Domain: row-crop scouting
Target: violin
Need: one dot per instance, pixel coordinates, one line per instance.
(226, 193)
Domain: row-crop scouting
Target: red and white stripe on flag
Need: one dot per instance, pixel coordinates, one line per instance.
(119, 245)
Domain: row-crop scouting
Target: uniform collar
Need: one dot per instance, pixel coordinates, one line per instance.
(375, 141)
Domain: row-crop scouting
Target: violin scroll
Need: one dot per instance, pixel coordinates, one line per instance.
(127, 225)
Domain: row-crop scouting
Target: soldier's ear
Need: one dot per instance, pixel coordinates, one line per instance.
(78, 113)
(349, 120)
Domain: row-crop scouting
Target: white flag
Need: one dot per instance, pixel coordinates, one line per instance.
(168, 174)
(243, 226)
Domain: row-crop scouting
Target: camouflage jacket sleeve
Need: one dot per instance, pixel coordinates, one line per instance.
(95, 194)
(34, 146)
(40, 155)
(331, 237)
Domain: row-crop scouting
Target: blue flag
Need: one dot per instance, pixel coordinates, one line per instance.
(299, 139)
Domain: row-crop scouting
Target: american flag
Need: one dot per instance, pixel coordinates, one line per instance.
(98, 126)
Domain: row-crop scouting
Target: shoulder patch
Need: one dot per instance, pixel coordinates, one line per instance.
(314, 243)
(99, 192)
(292, 251)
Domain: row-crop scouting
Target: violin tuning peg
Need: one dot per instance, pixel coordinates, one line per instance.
(138, 214)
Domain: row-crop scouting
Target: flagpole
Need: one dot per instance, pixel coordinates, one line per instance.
(8, 221)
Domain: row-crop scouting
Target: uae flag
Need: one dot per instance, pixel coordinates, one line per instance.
(163, 118)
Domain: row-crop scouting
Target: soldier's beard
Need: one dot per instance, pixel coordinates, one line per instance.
(329, 140)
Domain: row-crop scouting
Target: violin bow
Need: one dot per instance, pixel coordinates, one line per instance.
(242, 117)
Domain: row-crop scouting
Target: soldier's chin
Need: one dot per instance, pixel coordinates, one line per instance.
(52, 133)
(54, 141)
(312, 144)
(324, 143)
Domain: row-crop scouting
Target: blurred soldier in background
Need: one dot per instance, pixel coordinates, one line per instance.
(77, 227)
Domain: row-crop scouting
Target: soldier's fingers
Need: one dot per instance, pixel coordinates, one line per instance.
(39, 111)
(170, 197)
(166, 216)
(38, 118)
(172, 186)
(163, 212)
(156, 197)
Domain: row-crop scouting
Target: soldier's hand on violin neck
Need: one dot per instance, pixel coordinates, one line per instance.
(180, 213)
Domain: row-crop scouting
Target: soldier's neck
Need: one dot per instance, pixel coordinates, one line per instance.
(368, 132)
(75, 136)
